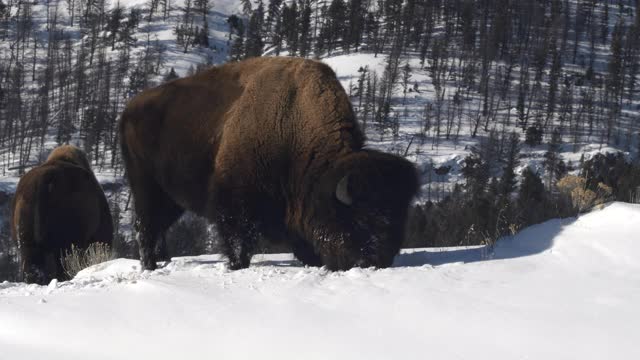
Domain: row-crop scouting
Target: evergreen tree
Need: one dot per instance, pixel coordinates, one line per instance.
(604, 23)
(290, 26)
(171, 75)
(531, 198)
(615, 77)
(246, 7)
(553, 164)
(533, 136)
(113, 25)
(254, 42)
(476, 167)
(512, 159)
(305, 28)
(185, 31)
(406, 77)
(273, 16)
(556, 68)
(355, 24)
(128, 31)
(236, 32)
(335, 29)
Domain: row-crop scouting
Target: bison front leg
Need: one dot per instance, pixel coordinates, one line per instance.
(239, 239)
(161, 248)
(146, 244)
(304, 253)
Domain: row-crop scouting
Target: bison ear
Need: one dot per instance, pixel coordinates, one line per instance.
(342, 191)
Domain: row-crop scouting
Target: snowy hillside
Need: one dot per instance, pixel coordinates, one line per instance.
(418, 136)
(565, 289)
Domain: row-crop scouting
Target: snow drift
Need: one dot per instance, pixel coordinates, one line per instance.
(565, 289)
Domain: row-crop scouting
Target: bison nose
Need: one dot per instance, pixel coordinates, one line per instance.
(364, 263)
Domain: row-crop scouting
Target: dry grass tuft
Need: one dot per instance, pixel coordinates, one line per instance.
(77, 258)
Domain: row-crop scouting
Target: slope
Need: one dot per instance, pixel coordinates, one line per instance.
(564, 289)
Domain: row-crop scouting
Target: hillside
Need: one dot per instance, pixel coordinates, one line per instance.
(456, 86)
(447, 103)
(564, 289)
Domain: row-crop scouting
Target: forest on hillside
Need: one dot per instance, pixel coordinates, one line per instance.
(68, 67)
(500, 75)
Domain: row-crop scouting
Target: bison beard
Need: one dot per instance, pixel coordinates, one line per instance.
(265, 147)
(56, 204)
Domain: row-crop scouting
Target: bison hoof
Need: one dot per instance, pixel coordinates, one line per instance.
(237, 265)
(148, 265)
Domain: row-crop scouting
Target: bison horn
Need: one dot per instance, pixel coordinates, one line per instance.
(342, 192)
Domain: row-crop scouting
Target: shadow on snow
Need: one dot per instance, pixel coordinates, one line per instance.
(533, 240)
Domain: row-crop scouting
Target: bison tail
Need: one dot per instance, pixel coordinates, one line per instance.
(124, 148)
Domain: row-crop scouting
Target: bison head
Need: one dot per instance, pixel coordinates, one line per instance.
(359, 210)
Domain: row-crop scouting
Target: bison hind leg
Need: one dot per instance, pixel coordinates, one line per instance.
(156, 212)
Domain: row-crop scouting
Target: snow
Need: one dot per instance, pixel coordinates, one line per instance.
(347, 66)
(564, 289)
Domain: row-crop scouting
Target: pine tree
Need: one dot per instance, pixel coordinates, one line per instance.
(290, 26)
(531, 198)
(202, 36)
(171, 75)
(615, 77)
(254, 42)
(246, 7)
(305, 28)
(370, 99)
(236, 28)
(336, 16)
(533, 136)
(553, 164)
(476, 167)
(632, 57)
(273, 16)
(355, 24)
(556, 68)
(406, 77)
(113, 25)
(604, 23)
(185, 31)
(128, 31)
(523, 89)
(512, 159)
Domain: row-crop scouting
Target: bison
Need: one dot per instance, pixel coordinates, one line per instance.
(265, 147)
(57, 204)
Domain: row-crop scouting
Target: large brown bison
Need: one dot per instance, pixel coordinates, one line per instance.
(265, 147)
(57, 204)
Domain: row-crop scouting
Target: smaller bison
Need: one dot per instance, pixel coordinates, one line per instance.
(57, 204)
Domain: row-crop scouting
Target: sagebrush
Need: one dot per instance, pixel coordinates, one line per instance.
(78, 258)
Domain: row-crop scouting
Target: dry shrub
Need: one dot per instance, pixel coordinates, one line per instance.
(582, 198)
(604, 193)
(77, 258)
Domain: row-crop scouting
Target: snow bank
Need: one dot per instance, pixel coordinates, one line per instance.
(565, 289)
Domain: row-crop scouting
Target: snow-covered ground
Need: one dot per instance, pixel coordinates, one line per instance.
(565, 289)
